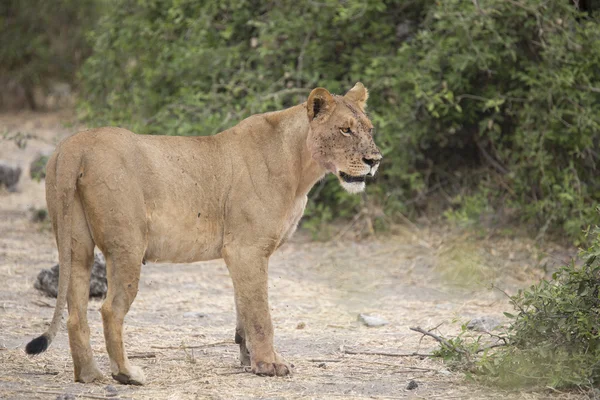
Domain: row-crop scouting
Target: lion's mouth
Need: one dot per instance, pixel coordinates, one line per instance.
(351, 179)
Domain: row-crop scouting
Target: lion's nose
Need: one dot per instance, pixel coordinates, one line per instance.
(373, 160)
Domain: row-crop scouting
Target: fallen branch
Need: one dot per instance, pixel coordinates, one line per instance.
(199, 346)
(438, 338)
(396, 366)
(42, 303)
(491, 347)
(232, 372)
(142, 355)
(41, 373)
(90, 396)
(380, 353)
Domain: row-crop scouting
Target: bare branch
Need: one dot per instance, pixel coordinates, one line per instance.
(438, 338)
(381, 353)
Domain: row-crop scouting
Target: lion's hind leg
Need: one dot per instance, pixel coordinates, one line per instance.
(123, 273)
(82, 258)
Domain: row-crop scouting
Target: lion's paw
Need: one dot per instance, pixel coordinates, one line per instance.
(135, 376)
(278, 368)
(271, 369)
(89, 374)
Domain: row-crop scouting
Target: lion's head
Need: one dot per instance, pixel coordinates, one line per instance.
(341, 136)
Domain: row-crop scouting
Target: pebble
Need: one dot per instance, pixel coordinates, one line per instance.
(372, 320)
(194, 314)
(412, 385)
(483, 324)
(110, 390)
(65, 396)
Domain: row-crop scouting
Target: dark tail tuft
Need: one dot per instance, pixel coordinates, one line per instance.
(37, 345)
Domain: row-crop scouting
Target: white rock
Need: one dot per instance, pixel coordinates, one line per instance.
(372, 320)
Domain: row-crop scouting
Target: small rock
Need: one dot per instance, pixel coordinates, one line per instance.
(65, 396)
(47, 279)
(110, 390)
(483, 324)
(372, 320)
(322, 365)
(412, 385)
(445, 306)
(194, 314)
(9, 176)
(301, 325)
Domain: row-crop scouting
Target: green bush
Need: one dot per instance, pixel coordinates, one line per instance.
(552, 339)
(44, 40)
(493, 97)
(555, 335)
(511, 85)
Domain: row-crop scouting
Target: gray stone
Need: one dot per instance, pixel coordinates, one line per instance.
(110, 390)
(412, 385)
(9, 175)
(65, 396)
(194, 314)
(483, 324)
(372, 320)
(47, 280)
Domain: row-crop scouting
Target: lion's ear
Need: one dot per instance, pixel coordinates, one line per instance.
(320, 104)
(359, 95)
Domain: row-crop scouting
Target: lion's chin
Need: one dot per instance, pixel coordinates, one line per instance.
(353, 187)
(352, 184)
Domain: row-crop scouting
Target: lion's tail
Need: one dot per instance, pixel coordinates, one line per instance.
(68, 165)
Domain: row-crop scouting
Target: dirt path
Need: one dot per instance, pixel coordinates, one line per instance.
(180, 328)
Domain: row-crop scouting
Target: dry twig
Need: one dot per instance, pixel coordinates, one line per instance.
(90, 396)
(438, 338)
(142, 355)
(199, 346)
(382, 353)
(42, 303)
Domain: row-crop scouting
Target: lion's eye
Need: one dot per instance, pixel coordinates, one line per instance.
(346, 131)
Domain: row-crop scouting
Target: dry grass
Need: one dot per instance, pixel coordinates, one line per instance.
(323, 286)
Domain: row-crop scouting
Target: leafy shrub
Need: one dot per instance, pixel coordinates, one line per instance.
(555, 335)
(44, 40)
(553, 339)
(496, 99)
(510, 85)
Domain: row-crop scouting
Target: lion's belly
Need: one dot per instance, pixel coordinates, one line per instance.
(183, 239)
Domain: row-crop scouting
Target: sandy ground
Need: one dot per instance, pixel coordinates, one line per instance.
(180, 328)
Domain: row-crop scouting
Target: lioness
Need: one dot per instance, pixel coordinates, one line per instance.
(237, 195)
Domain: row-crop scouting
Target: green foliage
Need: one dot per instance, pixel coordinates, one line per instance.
(37, 169)
(499, 96)
(553, 339)
(510, 85)
(186, 67)
(44, 40)
(318, 219)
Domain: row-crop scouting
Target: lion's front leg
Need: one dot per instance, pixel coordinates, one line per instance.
(240, 339)
(248, 270)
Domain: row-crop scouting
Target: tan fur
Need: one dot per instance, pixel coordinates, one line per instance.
(237, 195)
